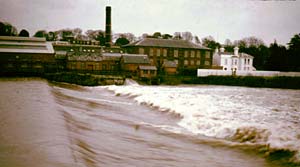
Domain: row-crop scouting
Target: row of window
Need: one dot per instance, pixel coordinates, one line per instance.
(152, 72)
(235, 61)
(192, 62)
(84, 50)
(95, 66)
(164, 53)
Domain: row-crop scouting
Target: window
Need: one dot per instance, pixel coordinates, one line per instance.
(175, 53)
(97, 66)
(225, 62)
(145, 71)
(198, 62)
(151, 61)
(151, 52)
(176, 61)
(186, 62)
(207, 55)
(104, 67)
(198, 54)
(192, 53)
(207, 63)
(84, 50)
(158, 52)
(245, 61)
(73, 66)
(152, 72)
(235, 62)
(186, 53)
(165, 52)
(248, 61)
(141, 50)
(192, 62)
(93, 50)
(89, 50)
(82, 65)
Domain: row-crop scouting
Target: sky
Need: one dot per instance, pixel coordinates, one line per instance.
(222, 19)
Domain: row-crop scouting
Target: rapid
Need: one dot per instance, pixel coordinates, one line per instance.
(58, 124)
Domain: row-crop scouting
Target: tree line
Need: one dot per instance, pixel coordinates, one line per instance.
(273, 57)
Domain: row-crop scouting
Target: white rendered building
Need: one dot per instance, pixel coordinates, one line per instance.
(233, 61)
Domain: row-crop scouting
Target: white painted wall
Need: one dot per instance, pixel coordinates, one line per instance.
(208, 72)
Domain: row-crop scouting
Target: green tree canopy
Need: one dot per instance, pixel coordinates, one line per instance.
(6, 29)
(122, 41)
(41, 34)
(210, 42)
(24, 33)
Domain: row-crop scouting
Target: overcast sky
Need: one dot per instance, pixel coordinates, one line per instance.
(222, 19)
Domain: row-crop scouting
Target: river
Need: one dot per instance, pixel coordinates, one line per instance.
(58, 124)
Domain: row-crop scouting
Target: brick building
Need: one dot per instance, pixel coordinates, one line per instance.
(187, 55)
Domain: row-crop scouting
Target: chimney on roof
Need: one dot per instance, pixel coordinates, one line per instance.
(108, 38)
(236, 51)
(222, 49)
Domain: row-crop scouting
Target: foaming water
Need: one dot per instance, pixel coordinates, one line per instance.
(59, 124)
(249, 116)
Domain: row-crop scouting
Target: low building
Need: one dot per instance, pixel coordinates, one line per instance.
(26, 55)
(170, 67)
(187, 55)
(233, 61)
(105, 63)
(130, 62)
(147, 72)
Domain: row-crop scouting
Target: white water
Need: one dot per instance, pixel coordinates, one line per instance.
(237, 114)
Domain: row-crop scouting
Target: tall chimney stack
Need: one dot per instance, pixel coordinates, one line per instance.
(108, 35)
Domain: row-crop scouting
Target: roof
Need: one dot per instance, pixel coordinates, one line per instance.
(135, 59)
(170, 64)
(9, 44)
(241, 55)
(111, 56)
(147, 68)
(95, 57)
(170, 43)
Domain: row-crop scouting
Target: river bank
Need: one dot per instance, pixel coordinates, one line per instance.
(86, 79)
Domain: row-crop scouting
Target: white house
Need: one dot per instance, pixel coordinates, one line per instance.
(233, 61)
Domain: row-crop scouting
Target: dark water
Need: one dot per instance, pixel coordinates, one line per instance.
(51, 124)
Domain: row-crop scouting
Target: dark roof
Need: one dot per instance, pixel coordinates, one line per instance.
(170, 43)
(135, 59)
(147, 68)
(9, 44)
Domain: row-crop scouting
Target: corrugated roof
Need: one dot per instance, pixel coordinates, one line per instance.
(85, 58)
(25, 45)
(95, 57)
(147, 68)
(135, 59)
(170, 43)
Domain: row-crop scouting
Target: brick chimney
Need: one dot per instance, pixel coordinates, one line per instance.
(108, 38)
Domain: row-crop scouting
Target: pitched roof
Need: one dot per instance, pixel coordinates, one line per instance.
(170, 43)
(9, 44)
(242, 55)
(135, 59)
(147, 68)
